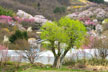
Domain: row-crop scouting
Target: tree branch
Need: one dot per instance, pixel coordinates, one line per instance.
(59, 53)
(53, 48)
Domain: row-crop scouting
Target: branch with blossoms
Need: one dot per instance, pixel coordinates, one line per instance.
(89, 40)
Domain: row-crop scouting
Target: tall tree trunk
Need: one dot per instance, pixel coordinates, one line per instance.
(58, 57)
(57, 62)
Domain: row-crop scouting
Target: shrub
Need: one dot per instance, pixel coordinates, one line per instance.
(18, 35)
(59, 10)
(12, 38)
(97, 1)
(6, 12)
(83, 62)
(40, 65)
(8, 26)
(35, 26)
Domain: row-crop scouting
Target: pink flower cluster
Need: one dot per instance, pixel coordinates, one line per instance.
(91, 13)
(87, 21)
(5, 19)
(89, 45)
(3, 47)
(8, 20)
(29, 18)
(23, 19)
(84, 18)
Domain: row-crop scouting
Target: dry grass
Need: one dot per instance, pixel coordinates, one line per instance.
(99, 68)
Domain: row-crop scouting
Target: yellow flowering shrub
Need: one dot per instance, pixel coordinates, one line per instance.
(77, 6)
(84, 1)
(6, 29)
(106, 20)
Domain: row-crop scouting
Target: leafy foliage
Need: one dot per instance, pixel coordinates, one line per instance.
(59, 10)
(97, 1)
(34, 25)
(6, 12)
(65, 31)
(74, 29)
(18, 35)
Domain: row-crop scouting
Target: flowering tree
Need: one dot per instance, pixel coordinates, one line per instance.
(91, 13)
(101, 44)
(89, 41)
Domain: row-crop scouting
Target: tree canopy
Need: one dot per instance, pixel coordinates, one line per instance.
(65, 31)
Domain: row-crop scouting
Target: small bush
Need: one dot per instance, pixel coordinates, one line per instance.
(6, 12)
(84, 62)
(40, 65)
(97, 1)
(35, 26)
(59, 10)
(18, 35)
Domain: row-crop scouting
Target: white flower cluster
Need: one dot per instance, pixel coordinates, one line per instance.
(96, 12)
(23, 14)
(100, 13)
(85, 13)
(99, 28)
(38, 18)
(73, 15)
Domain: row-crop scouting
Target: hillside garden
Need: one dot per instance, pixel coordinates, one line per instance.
(77, 42)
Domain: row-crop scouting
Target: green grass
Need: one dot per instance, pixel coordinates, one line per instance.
(52, 70)
(26, 67)
(49, 69)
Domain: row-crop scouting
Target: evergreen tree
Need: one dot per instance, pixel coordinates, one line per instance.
(97, 1)
(18, 35)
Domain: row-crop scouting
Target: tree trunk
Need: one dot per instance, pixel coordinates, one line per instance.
(57, 62)
(58, 57)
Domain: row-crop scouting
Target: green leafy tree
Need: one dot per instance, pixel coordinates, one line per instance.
(65, 32)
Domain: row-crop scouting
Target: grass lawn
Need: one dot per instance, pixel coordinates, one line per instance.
(10, 67)
(26, 67)
(64, 69)
(52, 70)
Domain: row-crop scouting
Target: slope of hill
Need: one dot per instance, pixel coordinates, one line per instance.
(41, 7)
